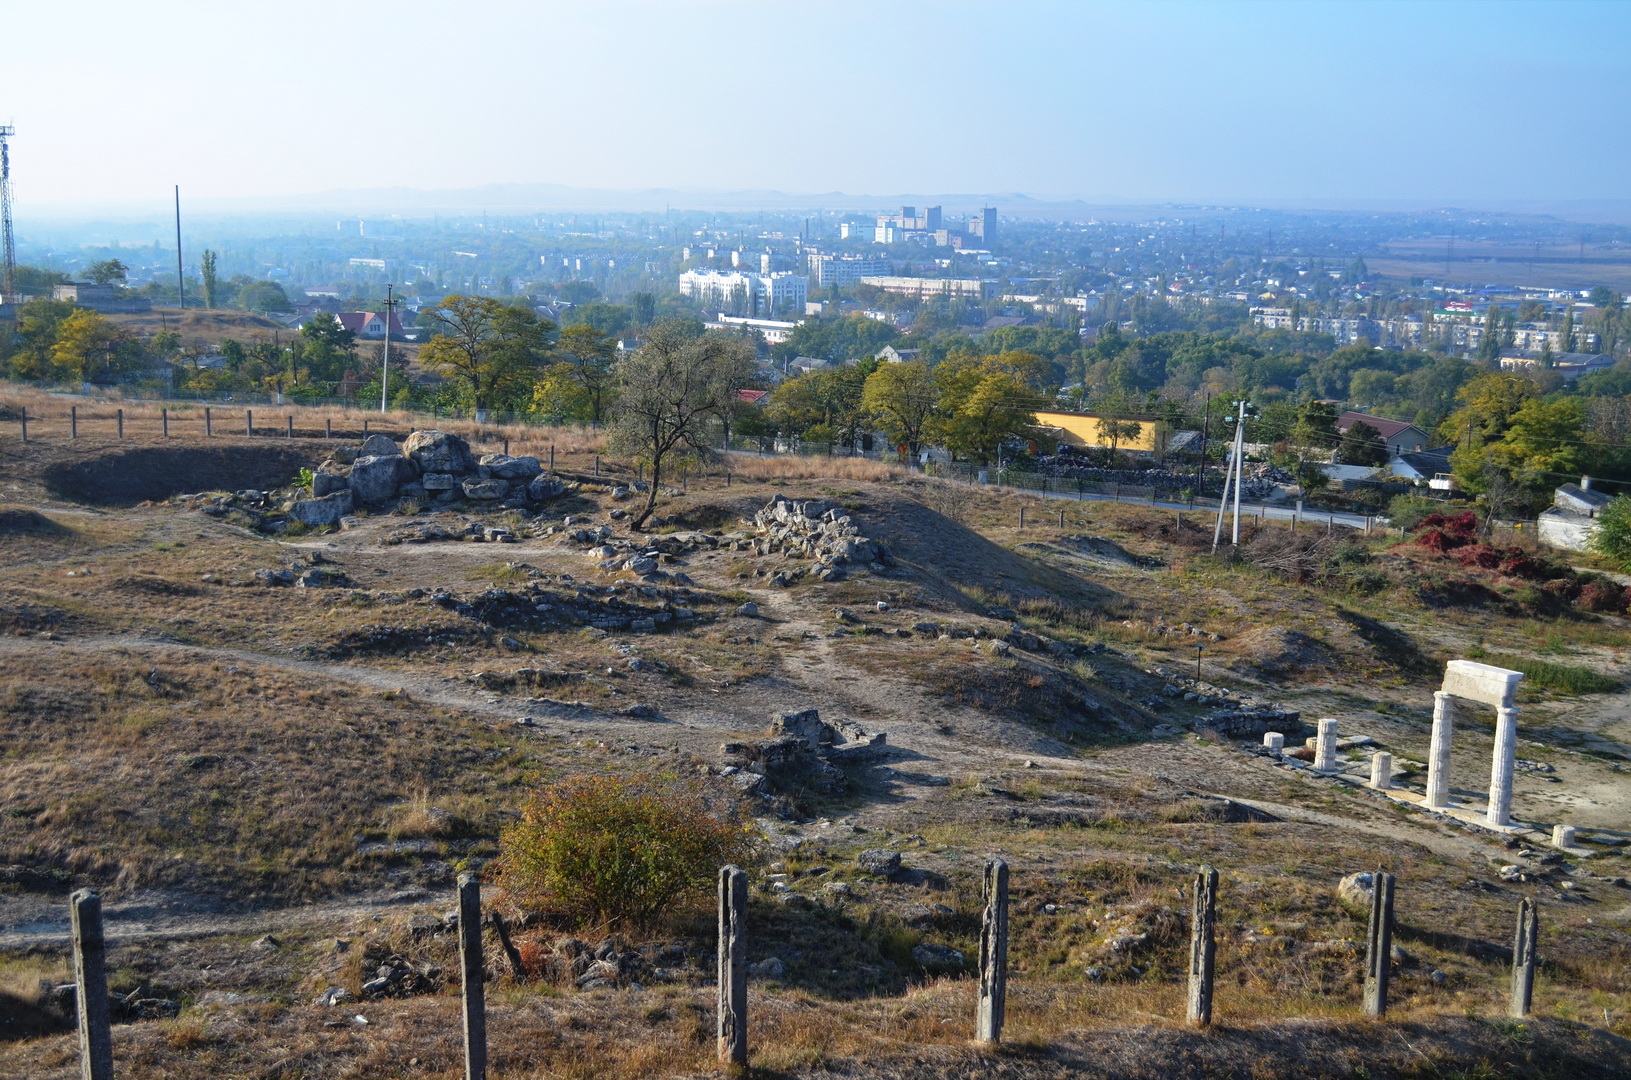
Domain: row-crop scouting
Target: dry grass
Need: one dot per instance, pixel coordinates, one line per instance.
(778, 469)
(48, 421)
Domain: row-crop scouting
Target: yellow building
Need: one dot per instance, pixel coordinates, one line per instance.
(1084, 430)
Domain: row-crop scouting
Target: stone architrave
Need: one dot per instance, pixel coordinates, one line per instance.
(1483, 683)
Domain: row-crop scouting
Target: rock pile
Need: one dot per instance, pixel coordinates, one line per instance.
(803, 747)
(430, 466)
(813, 530)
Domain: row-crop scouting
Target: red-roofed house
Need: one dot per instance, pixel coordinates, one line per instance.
(369, 325)
(752, 397)
(1401, 436)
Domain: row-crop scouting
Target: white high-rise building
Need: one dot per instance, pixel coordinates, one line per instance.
(736, 292)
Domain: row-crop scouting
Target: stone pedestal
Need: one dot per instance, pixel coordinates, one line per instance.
(1381, 770)
(1563, 836)
(1325, 748)
(1500, 772)
(1438, 755)
(1274, 740)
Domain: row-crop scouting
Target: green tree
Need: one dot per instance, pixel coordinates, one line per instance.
(325, 348)
(644, 306)
(107, 272)
(1362, 445)
(492, 350)
(903, 399)
(985, 401)
(672, 391)
(590, 356)
(206, 269)
(1612, 540)
(262, 296)
(1545, 435)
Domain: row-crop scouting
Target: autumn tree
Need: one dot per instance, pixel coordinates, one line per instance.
(490, 349)
(903, 399)
(986, 400)
(672, 390)
(88, 345)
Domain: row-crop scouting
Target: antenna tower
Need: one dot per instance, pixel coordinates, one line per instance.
(8, 268)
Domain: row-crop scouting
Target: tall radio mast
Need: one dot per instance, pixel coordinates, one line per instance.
(8, 268)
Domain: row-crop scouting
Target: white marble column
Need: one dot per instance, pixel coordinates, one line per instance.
(1438, 755)
(1500, 771)
(1325, 748)
(1563, 836)
(1381, 770)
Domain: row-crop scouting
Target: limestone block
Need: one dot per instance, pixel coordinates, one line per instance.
(1274, 740)
(437, 451)
(1381, 770)
(327, 510)
(1563, 836)
(379, 446)
(1484, 683)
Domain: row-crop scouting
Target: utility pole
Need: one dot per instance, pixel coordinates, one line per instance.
(1232, 479)
(385, 367)
(8, 252)
(181, 281)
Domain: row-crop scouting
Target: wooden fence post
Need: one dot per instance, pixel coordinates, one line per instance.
(1061, 519)
(328, 428)
(1203, 946)
(119, 418)
(1523, 958)
(552, 457)
(993, 954)
(25, 423)
(733, 971)
(91, 986)
(164, 418)
(473, 991)
(1022, 517)
(365, 428)
(1379, 944)
(506, 446)
(290, 419)
(73, 421)
(249, 422)
(208, 429)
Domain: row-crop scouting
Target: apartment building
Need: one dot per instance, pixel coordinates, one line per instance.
(737, 292)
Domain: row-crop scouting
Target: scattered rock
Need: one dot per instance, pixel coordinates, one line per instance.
(938, 959)
(879, 861)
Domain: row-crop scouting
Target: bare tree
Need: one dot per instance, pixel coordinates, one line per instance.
(675, 387)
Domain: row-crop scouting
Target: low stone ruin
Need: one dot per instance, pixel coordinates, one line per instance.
(801, 747)
(813, 530)
(431, 467)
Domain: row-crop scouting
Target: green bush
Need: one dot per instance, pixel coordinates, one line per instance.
(1613, 537)
(1407, 511)
(612, 850)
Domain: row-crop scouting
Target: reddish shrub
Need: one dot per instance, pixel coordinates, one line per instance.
(1441, 533)
(1479, 555)
(1603, 596)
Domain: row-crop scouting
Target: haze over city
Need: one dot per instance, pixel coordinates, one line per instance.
(1268, 104)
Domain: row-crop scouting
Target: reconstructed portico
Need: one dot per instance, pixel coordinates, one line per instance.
(1488, 685)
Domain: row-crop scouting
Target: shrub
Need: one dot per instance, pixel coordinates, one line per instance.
(605, 850)
(1441, 532)
(1407, 511)
(1612, 539)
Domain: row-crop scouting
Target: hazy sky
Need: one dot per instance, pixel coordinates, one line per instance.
(1485, 103)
